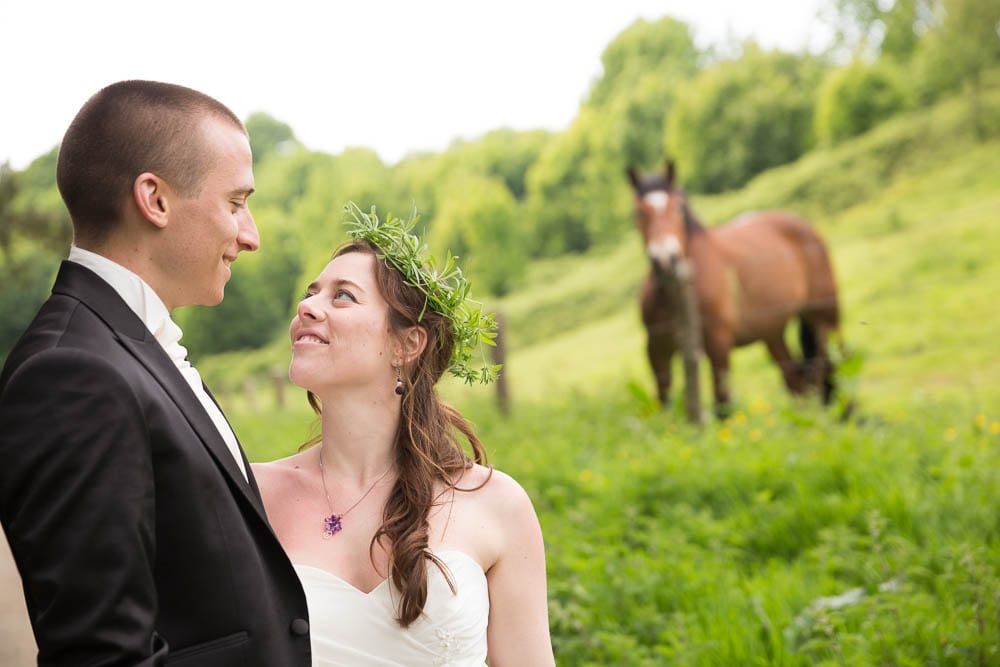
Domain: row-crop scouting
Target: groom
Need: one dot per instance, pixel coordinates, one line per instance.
(132, 514)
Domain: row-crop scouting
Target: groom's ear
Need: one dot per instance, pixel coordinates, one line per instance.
(412, 343)
(150, 195)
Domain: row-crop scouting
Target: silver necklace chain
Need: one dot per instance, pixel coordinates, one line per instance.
(333, 524)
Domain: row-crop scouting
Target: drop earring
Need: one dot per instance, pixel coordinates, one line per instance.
(399, 383)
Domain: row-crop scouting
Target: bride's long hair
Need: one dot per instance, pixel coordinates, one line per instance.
(427, 447)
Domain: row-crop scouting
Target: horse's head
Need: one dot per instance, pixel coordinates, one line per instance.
(661, 215)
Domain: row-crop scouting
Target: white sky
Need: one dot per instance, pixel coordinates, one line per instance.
(393, 75)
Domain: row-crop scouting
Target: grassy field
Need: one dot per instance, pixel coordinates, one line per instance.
(780, 536)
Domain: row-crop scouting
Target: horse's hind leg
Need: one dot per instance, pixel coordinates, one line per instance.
(816, 364)
(790, 371)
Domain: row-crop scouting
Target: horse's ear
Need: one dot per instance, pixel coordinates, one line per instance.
(670, 173)
(633, 177)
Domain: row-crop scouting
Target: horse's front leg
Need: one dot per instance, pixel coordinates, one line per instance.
(660, 349)
(717, 351)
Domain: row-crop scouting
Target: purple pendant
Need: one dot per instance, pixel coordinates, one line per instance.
(332, 524)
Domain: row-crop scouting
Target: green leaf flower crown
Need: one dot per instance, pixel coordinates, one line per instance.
(446, 289)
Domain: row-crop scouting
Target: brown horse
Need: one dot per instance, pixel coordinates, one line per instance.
(749, 277)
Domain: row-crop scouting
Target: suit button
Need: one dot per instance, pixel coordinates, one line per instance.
(300, 627)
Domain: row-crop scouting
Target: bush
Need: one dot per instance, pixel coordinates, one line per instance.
(854, 99)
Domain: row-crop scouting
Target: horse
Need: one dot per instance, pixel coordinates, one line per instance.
(748, 278)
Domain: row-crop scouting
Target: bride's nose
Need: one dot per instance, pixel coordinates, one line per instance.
(308, 310)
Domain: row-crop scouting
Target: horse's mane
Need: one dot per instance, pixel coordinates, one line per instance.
(692, 225)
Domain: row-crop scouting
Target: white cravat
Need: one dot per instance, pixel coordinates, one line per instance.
(141, 298)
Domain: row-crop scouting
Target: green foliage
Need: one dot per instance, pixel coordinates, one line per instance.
(578, 195)
(853, 99)
(502, 154)
(825, 182)
(664, 47)
(480, 223)
(779, 537)
(742, 117)
(257, 303)
(330, 182)
(963, 49)
(268, 136)
(26, 274)
(644, 66)
(30, 206)
(867, 28)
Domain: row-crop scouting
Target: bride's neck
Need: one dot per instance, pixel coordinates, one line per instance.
(359, 437)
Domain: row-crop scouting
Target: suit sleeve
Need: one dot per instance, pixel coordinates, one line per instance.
(77, 502)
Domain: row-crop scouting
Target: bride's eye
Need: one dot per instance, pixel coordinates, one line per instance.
(344, 294)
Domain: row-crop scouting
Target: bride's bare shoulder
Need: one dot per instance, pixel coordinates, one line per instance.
(280, 472)
(493, 488)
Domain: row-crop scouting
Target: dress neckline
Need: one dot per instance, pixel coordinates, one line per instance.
(384, 582)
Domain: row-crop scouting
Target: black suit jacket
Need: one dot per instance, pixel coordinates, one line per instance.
(138, 540)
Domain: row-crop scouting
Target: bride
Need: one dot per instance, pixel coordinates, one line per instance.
(410, 552)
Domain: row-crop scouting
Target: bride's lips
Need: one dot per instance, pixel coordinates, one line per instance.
(310, 338)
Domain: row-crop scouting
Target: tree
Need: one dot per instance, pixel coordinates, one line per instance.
(268, 136)
(643, 67)
(853, 99)
(578, 196)
(480, 223)
(258, 301)
(869, 29)
(744, 116)
(964, 45)
(664, 47)
(503, 153)
(26, 276)
(31, 209)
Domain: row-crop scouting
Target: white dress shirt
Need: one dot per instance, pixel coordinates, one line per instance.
(141, 298)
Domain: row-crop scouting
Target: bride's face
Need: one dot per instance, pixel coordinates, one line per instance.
(340, 334)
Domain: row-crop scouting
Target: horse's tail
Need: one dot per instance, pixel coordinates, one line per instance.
(817, 361)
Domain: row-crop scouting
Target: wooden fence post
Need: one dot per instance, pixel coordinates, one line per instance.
(499, 353)
(250, 394)
(687, 333)
(278, 380)
(690, 343)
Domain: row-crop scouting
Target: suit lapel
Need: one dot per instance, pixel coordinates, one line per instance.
(151, 355)
(81, 283)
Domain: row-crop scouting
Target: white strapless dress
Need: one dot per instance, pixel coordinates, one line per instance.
(350, 628)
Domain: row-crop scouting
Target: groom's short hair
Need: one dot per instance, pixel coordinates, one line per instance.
(126, 129)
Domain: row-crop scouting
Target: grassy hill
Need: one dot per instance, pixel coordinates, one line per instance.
(911, 213)
(780, 536)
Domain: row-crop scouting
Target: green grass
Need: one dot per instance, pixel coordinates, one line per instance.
(668, 544)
